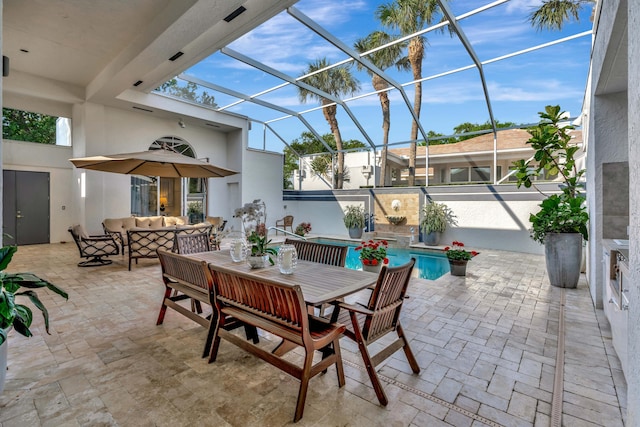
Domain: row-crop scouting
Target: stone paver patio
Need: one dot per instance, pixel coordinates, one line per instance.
(486, 343)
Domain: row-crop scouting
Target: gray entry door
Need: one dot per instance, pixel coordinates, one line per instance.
(26, 207)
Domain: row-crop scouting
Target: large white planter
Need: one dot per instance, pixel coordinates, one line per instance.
(563, 255)
(3, 363)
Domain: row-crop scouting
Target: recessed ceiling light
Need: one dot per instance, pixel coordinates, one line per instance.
(176, 56)
(233, 15)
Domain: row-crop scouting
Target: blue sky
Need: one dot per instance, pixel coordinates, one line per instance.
(518, 87)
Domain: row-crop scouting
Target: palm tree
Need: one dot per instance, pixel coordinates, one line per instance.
(410, 16)
(383, 59)
(338, 82)
(553, 14)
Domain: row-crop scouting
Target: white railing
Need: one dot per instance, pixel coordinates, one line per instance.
(287, 232)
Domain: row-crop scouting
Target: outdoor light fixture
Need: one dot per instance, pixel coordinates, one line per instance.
(233, 15)
(163, 203)
(181, 123)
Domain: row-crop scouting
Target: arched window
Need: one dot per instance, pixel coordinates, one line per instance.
(169, 196)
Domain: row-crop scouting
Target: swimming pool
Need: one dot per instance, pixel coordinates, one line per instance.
(429, 265)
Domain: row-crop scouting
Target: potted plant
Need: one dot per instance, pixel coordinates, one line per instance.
(458, 258)
(303, 228)
(354, 220)
(260, 250)
(16, 315)
(195, 212)
(435, 218)
(561, 223)
(373, 255)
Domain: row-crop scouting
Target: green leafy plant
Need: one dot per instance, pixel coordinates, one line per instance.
(18, 315)
(260, 246)
(373, 253)
(354, 216)
(555, 155)
(435, 217)
(456, 252)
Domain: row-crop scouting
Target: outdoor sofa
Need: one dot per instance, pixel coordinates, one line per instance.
(144, 235)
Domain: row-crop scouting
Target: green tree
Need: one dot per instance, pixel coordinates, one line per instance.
(410, 16)
(307, 143)
(474, 127)
(383, 59)
(336, 81)
(21, 125)
(188, 92)
(553, 14)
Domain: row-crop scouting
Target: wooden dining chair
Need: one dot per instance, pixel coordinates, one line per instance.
(319, 252)
(380, 316)
(193, 243)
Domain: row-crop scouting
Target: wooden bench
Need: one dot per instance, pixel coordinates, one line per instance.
(280, 310)
(192, 279)
(320, 252)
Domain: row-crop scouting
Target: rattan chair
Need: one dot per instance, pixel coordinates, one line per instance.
(93, 247)
(380, 316)
(285, 222)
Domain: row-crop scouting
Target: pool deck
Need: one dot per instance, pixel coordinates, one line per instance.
(487, 345)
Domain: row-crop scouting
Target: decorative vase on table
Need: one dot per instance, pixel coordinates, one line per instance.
(458, 267)
(287, 259)
(259, 261)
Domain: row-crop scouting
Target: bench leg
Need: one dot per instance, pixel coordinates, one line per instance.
(163, 307)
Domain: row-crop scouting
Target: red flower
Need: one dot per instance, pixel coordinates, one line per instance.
(446, 248)
(474, 253)
(358, 248)
(365, 261)
(384, 242)
(374, 262)
(386, 260)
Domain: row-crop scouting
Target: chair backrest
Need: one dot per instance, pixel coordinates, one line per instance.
(192, 243)
(277, 303)
(319, 252)
(288, 221)
(386, 300)
(187, 271)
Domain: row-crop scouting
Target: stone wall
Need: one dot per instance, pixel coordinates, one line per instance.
(408, 207)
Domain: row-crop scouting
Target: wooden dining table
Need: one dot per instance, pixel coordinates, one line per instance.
(320, 283)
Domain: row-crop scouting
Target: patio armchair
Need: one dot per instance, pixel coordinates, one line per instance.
(285, 222)
(366, 323)
(218, 227)
(93, 247)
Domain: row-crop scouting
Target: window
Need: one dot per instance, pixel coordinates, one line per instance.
(472, 174)
(19, 125)
(168, 196)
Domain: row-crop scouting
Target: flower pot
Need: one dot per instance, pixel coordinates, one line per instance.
(432, 238)
(3, 361)
(258, 261)
(355, 233)
(563, 255)
(372, 268)
(458, 267)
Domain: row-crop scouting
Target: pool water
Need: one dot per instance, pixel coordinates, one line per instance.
(429, 265)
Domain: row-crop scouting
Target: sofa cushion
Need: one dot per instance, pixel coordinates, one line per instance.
(119, 224)
(175, 220)
(150, 222)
